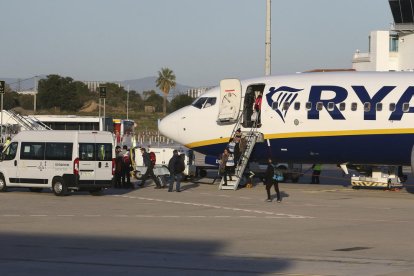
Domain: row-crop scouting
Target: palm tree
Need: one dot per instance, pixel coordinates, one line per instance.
(165, 81)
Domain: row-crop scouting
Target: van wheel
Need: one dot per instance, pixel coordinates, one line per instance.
(96, 192)
(3, 186)
(59, 187)
(36, 190)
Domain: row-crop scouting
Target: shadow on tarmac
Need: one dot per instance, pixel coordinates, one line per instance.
(36, 254)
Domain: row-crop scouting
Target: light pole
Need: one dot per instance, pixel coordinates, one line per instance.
(268, 64)
(127, 102)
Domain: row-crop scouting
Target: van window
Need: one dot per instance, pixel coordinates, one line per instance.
(10, 152)
(104, 152)
(32, 151)
(93, 152)
(59, 151)
(87, 151)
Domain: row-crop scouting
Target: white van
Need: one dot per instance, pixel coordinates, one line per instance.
(60, 160)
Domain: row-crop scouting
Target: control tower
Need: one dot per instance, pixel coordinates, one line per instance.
(391, 50)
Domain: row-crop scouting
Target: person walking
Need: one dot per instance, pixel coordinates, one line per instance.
(150, 170)
(176, 167)
(270, 181)
(317, 169)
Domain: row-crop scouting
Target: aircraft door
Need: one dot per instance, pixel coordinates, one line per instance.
(229, 102)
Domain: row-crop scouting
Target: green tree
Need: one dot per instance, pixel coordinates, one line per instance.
(165, 81)
(10, 99)
(57, 91)
(179, 102)
(156, 101)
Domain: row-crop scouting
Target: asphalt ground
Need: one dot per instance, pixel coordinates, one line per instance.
(327, 229)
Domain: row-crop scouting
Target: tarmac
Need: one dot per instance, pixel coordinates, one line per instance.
(326, 229)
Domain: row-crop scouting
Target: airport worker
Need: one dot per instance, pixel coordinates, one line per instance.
(118, 167)
(176, 167)
(126, 168)
(317, 169)
(270, 181)
(8, 140)
(150, 170)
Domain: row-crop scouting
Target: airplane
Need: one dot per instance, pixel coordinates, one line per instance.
(325, 117)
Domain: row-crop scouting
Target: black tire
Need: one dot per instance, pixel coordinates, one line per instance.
(203, 173)
(59, 187)
(3, 186)
(96, 192)
(36, 190)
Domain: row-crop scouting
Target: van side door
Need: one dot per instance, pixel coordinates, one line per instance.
(87, 163)
(32, 165)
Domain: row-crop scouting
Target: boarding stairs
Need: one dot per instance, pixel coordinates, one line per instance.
(25, 123)
(252, 136)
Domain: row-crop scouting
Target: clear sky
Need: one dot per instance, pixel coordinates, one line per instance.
(201, 41)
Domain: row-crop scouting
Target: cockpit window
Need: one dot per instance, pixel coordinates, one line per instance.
(199, 103)
(210, 102)
(204, 102)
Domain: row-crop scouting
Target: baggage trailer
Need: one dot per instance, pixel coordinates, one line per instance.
(378, 177)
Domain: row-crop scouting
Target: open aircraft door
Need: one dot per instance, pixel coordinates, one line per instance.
(230, 99)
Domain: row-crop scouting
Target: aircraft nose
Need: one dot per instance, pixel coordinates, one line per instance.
(168, 127)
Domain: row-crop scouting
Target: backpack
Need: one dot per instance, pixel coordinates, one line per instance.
(278, 175)
(153, 158)
(125, 159)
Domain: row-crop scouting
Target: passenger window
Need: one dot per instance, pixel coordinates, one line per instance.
(342, 106)
(379, 106)
(319, 106)
(210, 102)
(32, 151)
(59, 151)
(297, 105)
(199, 103)
(331, 106)
(354, 106)
(308, 106)
(406, 107)
(10, 152)
(86, 152)
(104, 152)
(286, 105)
(392, 106)
(367, 107)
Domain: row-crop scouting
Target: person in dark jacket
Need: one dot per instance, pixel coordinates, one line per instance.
(150, 170)
(270, 181)
(176, 167)
(118, 167)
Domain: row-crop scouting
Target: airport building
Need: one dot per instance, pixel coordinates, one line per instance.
(391, 50)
